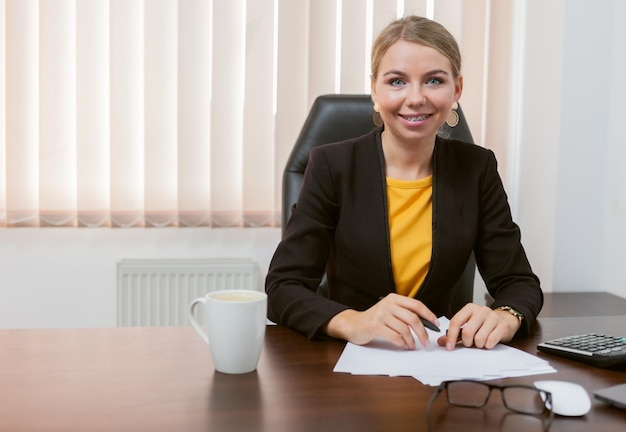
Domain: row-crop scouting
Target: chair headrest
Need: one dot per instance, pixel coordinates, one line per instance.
(332, 118)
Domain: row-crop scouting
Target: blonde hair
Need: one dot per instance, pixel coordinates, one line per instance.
(418, 30)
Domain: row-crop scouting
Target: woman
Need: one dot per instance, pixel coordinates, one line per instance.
(393, 216)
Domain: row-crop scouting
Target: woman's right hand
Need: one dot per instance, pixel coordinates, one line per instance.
(392, 318)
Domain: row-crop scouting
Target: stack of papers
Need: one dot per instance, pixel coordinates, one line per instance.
(435, 364)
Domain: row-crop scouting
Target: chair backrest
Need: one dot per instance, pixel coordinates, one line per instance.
(337, 117)
(332, 118)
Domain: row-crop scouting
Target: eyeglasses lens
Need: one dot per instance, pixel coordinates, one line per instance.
(467, 394)
(523, 400)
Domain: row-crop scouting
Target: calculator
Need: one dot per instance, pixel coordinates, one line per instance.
(597, 349)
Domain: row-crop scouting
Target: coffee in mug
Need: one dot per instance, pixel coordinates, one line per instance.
(236, 322)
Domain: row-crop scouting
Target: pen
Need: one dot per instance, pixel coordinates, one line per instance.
(429, 325)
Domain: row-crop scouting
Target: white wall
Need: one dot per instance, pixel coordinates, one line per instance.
(583, 183)
(590, 200)
(614, 217)
(537, 146)
(569, 199)
(570, 196)
(65, 277)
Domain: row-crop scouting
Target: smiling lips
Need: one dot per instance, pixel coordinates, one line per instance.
(415, 118)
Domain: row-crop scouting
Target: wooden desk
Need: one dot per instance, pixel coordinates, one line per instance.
(162, 379)
(571, 304)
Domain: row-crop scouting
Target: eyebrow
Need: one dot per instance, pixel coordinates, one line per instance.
(432, 72)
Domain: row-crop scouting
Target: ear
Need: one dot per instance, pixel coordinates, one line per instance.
(458, 88)
(373, 89)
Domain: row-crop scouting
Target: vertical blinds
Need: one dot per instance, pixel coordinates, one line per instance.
(132, 113)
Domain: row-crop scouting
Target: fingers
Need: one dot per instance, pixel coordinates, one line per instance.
(402, 314)
(396, 318)
(407, 320)
(416, 307)
(443, 340)
(481, 327)
(399, 334)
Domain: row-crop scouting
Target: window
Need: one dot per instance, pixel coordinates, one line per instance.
(132, 113)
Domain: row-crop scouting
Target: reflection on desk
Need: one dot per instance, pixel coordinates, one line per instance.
(162, 379)
(572, 304)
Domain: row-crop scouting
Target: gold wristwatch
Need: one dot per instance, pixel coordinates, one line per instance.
(512, 311)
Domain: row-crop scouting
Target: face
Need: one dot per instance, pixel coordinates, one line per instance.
(415, 91)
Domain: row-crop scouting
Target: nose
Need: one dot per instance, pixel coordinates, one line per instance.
(415, 95)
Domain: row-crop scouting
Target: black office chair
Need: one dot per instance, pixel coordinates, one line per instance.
(337, 117)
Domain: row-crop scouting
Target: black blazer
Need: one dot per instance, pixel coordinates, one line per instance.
(340, 226)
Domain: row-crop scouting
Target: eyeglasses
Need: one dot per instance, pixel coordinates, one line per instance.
(522, 399)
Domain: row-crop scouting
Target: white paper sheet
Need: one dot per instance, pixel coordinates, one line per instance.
(434, 364)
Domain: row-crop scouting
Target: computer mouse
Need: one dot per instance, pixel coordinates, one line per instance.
(568, 398)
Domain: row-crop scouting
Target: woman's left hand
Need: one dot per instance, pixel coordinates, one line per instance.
(482, 327)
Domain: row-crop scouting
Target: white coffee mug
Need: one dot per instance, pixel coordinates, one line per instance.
(236, 322)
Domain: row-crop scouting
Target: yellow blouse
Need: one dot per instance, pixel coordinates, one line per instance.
(410, 223)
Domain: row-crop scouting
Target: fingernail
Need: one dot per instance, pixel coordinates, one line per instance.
(449, 346)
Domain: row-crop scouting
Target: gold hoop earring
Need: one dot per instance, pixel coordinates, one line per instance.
(453, 117)
(377, 118)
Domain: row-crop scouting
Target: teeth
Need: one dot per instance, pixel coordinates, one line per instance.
(417, 118)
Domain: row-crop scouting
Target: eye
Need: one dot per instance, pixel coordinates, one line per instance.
(396, 82)
(433, 81)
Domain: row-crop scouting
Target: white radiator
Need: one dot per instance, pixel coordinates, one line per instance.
(157, 292)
